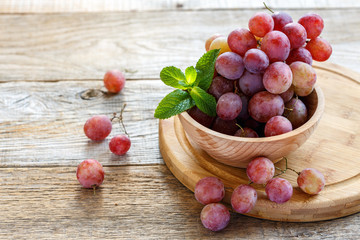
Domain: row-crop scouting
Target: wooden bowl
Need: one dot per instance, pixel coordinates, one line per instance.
(239, 151)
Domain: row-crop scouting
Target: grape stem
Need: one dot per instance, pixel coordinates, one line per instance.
(268, 8)
(286, 168)
(120, 118)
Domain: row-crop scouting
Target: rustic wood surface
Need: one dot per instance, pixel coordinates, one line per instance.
(51, 51)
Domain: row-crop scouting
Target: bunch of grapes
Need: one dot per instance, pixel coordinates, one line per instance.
(262, 74)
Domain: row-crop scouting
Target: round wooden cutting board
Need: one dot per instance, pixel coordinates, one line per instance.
(333, 149)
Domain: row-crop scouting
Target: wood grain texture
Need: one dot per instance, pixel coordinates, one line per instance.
(83, 46)
(134, 202)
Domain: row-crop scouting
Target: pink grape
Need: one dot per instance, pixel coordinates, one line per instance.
(311, 181)
(201, 117)
(279, 190)
(276, 45)
(313, 24)
(260, 24)
(120, 144)
(98, 127)
(209, 190)
(288, 94)
(304, 76)
(280, 20)
(210, 39)
(114, 81)
(277, 78)
(90, 173)
(219, 86)
(246, 132)
(251, 83)
(244, 114)
(296, 34)
(299, 54)
(215, 216)
(243, 198)
(298, 113)
(225, 126)
(302, 92)
(229, 106)
(277, 125)
(264, 105)
(220, 43)
(230, 65)
(260, 170)
(320, 49)
(256, 61)
(241, 40)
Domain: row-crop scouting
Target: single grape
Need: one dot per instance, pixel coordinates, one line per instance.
(120, 144)
(296, 112)
(277, 78)
(302, 92)
(280, 20)
(240, 40)
(256, 61)
(296, 34)
(288, 94)
(276, 45)
(210, 39)
(304, 76)
(264, 105)
(313, 24)
(260, 24)
(201, 117)
(279, 190)
(246, 132)
(220, 43)
(320, 49)
(299, 54)
(114, 81)
(243, 199)
(277, 125)
(244, 114)
(90, 173)
(225, 126)
(209, 190)
(260, 170)
(98, 127)
(215, 216)
(251, 83)
(311, 181)
(220, 86)
(230, 65)
(229, 106)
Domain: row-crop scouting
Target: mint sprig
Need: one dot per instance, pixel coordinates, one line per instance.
(191, 88)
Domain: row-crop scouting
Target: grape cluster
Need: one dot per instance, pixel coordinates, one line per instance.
(262, 73)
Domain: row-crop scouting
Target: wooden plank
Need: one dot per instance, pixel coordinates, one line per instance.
(42, 123)
(134, 202)
(55, 6)
(84, 46)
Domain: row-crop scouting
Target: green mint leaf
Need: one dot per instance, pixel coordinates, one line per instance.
(205, 69)
(204, 101)
(173, 77)
(190, 74)
(174, 103)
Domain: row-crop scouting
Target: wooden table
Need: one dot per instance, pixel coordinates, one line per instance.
(51, 51)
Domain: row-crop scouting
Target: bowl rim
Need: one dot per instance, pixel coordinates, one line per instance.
(309, 123)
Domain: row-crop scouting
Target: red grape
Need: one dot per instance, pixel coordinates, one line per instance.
(230, 65)
(219, 86)
(201, 117)
(243, 199)
(225, 126)
(298, 113)
(281, 19)
(311, 181)
(277, 78)
(244, 114)
(98, 127)
(313, 24)
(120, 144)
(279, 190)
(264, 105)
(114, 81)
(209, 190)
(220, 43)
(320, 49)
(256, 61)
(276, 45)
(215, 216)
(260, 170)
(299, 54)
(90, 173)
(251, 83)
(240, 40)
(210, 39)
(277, 125)
(304, 76)
(229, 106)
(246, 132)
(296, 34)
(288, 94)
(260, 24)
